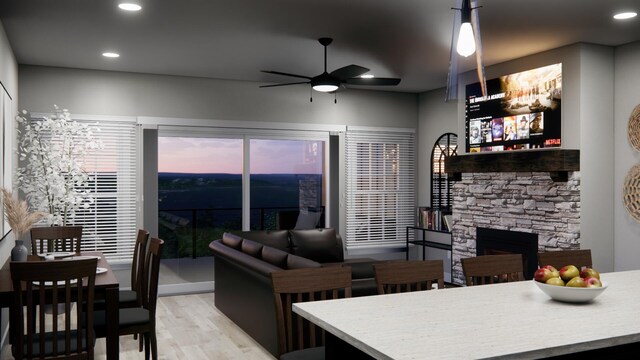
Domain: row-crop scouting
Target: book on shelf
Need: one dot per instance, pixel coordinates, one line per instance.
(429, 218)
(448, 222)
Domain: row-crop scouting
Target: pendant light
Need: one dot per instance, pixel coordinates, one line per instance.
(466, 42)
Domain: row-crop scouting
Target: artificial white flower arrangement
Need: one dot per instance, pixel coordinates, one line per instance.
(52, 150)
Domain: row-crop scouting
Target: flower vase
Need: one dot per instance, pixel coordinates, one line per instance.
(19, 252)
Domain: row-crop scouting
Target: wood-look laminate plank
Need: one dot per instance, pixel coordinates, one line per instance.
(189, 327)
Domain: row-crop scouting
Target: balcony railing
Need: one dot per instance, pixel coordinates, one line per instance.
(210, 224)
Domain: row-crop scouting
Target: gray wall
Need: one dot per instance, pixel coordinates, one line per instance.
(118, 93)
(627, 97)
(9, 80)
(587, 124)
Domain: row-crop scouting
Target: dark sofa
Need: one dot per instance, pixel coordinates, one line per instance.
(245, 260)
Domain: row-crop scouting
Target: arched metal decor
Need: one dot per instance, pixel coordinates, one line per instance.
(445, 146)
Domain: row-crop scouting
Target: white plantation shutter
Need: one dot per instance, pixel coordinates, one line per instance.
(110, 224)
(380, 190)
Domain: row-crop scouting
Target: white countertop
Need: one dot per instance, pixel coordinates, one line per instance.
(514, 320)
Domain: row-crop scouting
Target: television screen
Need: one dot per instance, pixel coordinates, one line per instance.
(520, 111)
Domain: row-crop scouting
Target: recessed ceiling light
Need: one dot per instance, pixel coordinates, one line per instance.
(367, 76)
(625, 15)
(130, 7)
(110, 54)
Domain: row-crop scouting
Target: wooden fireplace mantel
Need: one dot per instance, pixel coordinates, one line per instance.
(558, 162)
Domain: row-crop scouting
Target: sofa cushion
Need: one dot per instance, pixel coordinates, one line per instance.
(278, 239)
(275, 256)
(317, 244)
(252, 248)
(297, 262)
(232, 240)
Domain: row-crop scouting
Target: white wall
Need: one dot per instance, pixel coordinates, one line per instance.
(9, 80)
(627, 97)
(118, 93)
(435, 118)
(587, 113)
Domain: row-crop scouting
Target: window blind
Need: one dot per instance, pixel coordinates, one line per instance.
(110, 223)
(380, 190)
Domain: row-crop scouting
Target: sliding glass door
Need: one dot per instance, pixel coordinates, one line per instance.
(286, 184)
(211, 182)
(199, 198)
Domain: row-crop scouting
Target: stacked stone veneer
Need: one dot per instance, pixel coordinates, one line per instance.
(517, 201)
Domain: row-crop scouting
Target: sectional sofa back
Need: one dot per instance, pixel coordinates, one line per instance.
(271, 255)
(320, 245)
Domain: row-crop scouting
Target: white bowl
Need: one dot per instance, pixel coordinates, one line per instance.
(571, 294)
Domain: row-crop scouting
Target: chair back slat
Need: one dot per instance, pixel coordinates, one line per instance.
(49, 284)
(302, 285)
(55, 238)
(137, 266)
(151, 274)
(558, 259)
(492, 269)
(406, 276)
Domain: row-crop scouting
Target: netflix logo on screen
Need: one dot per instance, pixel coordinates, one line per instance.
(519, 111)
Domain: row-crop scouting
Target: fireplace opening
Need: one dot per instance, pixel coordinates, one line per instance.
(499, 242)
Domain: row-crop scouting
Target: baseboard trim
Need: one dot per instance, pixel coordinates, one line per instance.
(186, 288)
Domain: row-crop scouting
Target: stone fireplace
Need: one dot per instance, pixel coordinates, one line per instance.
(492, 192)
(497, 242)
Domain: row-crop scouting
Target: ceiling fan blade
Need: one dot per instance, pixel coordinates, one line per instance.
(295, 83)
(349, 71)
(373, 81)
(286, 74)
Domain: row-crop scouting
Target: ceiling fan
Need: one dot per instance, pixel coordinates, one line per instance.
(330, 82)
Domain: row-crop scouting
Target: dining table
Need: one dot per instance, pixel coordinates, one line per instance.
(106, 288)
(507, 321)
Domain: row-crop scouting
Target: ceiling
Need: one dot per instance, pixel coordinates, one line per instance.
(236, 39)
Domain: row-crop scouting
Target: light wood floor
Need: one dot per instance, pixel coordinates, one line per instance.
(189, 327)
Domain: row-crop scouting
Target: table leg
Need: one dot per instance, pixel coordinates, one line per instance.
(336, 348)
(112, 315)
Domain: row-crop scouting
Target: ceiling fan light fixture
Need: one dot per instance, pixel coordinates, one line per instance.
(325, 87)
(325, 83)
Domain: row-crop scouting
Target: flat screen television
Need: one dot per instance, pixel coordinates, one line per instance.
(520, 111)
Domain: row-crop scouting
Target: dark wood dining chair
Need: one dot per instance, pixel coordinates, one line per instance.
(490, 269)
(558, 259)
(131, 298)
(140, 320)
(53, 283)
(55, 238)
(405, 276)
(297, 337)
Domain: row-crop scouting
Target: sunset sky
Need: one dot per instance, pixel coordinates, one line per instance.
(211, 155)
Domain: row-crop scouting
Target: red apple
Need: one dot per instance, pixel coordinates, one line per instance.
(589, 272)
(592, 282)
(553, 270)
(576, 282)
(542, 275)
(569, 272)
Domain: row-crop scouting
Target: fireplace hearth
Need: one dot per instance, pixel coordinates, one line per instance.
(498, 242)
